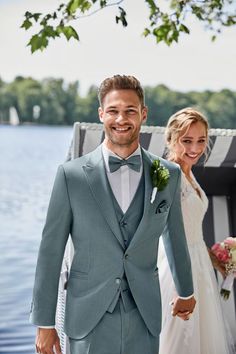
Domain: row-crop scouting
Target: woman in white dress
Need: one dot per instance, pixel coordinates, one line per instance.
(204, 331)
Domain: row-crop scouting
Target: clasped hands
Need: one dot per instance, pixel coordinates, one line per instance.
(183, 308)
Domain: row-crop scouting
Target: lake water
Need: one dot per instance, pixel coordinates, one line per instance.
(29, 157)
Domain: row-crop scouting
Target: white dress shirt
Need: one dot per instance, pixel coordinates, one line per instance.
(124, 181)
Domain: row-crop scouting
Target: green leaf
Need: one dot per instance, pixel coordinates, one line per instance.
(198, 12)
(45, 20)
(161, 32)
(49, 31)
(183, 28)
(26, 24)
(146, 32)
(36, 16)
(38, 42)
(28, 14)
(122, 17)
(68, 32)
(103, 3)
(74, 5)
(231, 20)
(174, 36)
(61, 7)
(152, 5)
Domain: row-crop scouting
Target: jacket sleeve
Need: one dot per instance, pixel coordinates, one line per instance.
(51, 252)
(176, 246)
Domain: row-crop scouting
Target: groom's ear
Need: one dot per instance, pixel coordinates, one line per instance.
(100, 113)
(144, 114)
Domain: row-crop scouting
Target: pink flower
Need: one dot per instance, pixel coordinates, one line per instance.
(230, 242)
(220, 252)
(217, 246)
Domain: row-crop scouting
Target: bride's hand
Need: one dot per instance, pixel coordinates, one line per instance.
(183, 308)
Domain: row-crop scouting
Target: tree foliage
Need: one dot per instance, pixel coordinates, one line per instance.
(163, 25)
(61, 103)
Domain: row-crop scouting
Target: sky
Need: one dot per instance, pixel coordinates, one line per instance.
(106, 49)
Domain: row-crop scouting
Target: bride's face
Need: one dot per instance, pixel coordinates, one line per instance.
(191, 144)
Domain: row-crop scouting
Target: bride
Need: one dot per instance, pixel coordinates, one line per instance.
(204, 331)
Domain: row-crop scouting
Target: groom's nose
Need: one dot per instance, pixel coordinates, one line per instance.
(121, 117)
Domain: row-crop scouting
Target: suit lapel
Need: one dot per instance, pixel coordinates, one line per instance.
(99, 185)
(149, 209)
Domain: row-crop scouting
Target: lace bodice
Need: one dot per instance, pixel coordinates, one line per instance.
(194, 208)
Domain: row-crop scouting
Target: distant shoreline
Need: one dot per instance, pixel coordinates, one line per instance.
(34, 124)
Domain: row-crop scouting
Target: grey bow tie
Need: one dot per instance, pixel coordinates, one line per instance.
(134, 162)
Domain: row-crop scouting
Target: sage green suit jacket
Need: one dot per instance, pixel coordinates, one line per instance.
(81, 205)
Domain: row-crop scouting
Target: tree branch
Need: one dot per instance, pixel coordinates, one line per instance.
(101, 8)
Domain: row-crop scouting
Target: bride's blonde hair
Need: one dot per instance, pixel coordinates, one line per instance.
(179, 123)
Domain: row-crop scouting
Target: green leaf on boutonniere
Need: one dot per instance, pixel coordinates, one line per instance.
(160, 177)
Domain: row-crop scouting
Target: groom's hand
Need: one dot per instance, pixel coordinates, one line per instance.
(47, 341)
(183, 308)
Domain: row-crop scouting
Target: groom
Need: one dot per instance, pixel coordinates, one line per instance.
(103, 200)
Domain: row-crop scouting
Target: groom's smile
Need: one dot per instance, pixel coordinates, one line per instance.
(121, 130)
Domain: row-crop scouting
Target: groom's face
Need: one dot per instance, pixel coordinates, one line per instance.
(122, 115)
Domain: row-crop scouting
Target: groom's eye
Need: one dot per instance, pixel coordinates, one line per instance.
(112, 112)
(130, 111)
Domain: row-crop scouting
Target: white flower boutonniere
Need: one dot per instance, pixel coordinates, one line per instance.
(160, 178)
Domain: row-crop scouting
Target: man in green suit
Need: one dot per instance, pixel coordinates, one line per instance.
(103, 200)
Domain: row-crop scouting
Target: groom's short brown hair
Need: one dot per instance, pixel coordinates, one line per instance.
(120, 82)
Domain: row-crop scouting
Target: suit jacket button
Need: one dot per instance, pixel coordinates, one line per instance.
(118, 280)
(126, 256)
(123, 223)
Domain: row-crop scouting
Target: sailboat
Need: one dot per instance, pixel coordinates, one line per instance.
(13, 116)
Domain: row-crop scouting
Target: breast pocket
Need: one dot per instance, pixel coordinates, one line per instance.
(162, 208)
(160, 217)
(78, 274)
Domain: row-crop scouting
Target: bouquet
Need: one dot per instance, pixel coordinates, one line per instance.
(225, 252)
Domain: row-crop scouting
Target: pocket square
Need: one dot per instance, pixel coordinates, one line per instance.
(162, 207)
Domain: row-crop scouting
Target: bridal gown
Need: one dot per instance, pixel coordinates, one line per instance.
(204, 332)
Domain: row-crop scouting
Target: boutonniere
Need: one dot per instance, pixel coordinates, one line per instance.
(160, 178)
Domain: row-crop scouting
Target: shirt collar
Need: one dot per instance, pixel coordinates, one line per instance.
(106, 153)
